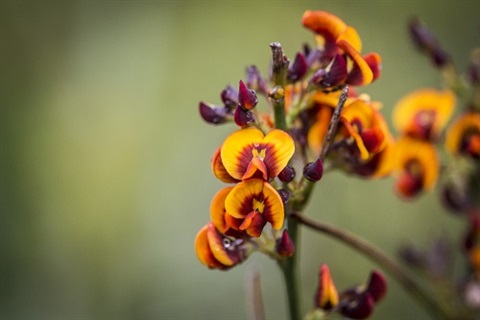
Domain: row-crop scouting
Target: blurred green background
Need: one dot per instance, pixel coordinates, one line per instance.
(105, 173)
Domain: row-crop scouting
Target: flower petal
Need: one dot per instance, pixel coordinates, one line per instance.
(323, 23)
(236, 152)
(361, 74)
(463, 129)
(280, 148)
(219, 170)
(202, 249)
(425, 110)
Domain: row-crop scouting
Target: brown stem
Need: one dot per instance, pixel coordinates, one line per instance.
(375, 254)
(332, 127)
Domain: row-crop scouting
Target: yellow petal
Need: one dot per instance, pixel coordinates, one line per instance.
(217, 209)
(236, 151)
(467, 123)
(280, 148)
(439, 104)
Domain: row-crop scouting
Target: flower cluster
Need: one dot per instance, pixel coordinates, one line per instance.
(313, 119)
(357, 302)
(422, 119)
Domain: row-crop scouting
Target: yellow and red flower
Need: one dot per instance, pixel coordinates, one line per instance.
(335, 38)
(417, 163)
(326, 296)
(217, 251)
(224, 222)
(248, 153)
(463, 136)
(422, 114)
(255, 202)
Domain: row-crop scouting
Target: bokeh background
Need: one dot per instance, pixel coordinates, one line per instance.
(105, 174)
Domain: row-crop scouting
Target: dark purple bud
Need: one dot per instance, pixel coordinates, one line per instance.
(298, 68)
(377, 286)
(454, 198)
(313, 171)
(413, 256)
(255, 80)
(212, 114)
(229, 97)
(421, 35)
(358, 306)
(285, 246)
(243, 117)
(334, 75)
(284, 194)
(425, 40)
(287, 174)
(246, 97)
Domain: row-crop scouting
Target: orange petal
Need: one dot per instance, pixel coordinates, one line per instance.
(323, 23)
(215, 241)
(438, 105)
(219, 170)
(423, 154)
(202, 249)
(236, 152)
(327, 295)
(253, 224)
(360, 74)
(318, 131)
(217, 209)
(280, 148)
(351, 36)
(273, 211)
(466, 124)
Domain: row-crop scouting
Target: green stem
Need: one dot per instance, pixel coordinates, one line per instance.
(436, 309)
(279, 72)
(290, 274)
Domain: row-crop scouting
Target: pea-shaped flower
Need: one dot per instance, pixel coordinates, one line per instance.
(248, 153)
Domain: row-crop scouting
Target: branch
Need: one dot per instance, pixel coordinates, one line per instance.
(376, 255)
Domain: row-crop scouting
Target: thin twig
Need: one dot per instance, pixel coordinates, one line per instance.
(375, 254)
(332, 127)
(254, 295)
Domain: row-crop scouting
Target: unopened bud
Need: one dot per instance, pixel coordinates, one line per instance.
(377, 286)
(298, 68)
(285, 246)
(246, 97)
(287, 174)
(255, 80)
(213, 114)
(243, 117)
(313, 171)
(229, 97)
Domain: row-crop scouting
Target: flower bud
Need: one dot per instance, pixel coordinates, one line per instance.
(284, 194)
(285, 246)
(357, 305)
(287, 174)
(255, 80)
(243, 117)
(246, 97)
(313, 171)
(298, 68)
(326, 296)
(334, 75)
(212, 114)
(229, 97)
(377, 286)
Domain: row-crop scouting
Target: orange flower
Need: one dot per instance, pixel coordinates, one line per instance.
(417, 164)
(255, 202)
(217, 251)
(326, 297)
(381, 164)
(366, 126)
(463, 136)
(248, 153)
(223, 221)
(423, 113)
(219, 170)
(335, 37)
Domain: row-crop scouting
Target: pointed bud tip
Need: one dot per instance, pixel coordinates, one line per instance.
(313, 171)
(285, 246)
(246, 97)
